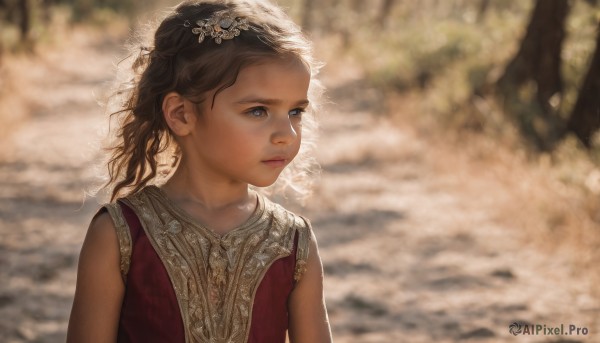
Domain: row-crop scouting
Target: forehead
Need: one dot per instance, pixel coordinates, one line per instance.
(273, 79)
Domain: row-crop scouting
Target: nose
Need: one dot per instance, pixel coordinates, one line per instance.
(284, 131)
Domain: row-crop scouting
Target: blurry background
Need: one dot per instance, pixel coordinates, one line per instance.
(460, 186)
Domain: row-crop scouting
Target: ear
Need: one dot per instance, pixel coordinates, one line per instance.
(177, 115)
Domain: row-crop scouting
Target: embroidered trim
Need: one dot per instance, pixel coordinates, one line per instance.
(304, 239)
(123, 236)
(215, 278)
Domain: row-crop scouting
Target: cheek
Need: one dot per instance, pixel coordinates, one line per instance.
(237, 140)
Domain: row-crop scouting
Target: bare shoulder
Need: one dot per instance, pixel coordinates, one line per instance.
(100, 241)
(100, 249)
(101, 230)
(100, 288)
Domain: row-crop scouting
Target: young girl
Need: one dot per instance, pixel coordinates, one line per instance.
(202, 257)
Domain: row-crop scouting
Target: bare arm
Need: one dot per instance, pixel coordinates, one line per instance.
(100, 288)
(308, 315)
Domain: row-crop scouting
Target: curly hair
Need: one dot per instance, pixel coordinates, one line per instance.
(144, 150)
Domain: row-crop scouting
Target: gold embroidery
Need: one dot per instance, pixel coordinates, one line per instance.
(123, 236)
(215, 278)
(302, 250)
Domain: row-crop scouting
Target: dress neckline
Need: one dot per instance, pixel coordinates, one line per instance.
(256, 215)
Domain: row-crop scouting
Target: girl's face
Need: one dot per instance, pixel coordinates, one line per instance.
(254, 128)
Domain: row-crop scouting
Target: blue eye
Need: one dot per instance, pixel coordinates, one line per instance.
(257, 112)
(297, 112)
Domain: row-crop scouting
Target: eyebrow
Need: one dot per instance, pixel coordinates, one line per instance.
(257, 100)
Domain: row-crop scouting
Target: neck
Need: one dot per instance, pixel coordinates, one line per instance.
(191, 185)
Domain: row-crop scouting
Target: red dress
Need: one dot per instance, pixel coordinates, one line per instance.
(155, 291)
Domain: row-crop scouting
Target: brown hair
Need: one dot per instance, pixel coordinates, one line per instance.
(177, 62)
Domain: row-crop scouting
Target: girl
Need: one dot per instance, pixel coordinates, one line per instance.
(202, 257)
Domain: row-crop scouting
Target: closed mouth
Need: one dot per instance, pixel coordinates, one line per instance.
(275, 161)
(276, 158)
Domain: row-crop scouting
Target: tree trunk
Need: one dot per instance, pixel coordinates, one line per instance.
(538, 63)
(47, 11)
(484, 5)
(538, 58)
(585, 118)
(384, 12)
(24, 25)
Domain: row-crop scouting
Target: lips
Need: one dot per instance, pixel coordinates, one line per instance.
(277, 161)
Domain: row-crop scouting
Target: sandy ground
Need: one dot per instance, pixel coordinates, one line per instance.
(411, 254)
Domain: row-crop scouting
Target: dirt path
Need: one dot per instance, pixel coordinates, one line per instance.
(413, 255)
(410, 254)
(42, 181)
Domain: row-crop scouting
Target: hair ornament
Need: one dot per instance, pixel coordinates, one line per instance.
(221, 25)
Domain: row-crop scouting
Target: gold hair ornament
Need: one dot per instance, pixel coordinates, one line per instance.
(221, 25)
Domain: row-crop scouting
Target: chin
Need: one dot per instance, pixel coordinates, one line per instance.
(263, 183)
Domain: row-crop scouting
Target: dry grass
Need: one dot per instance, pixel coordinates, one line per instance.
(553, 197)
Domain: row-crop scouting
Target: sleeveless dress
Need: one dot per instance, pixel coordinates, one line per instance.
(185, 283)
